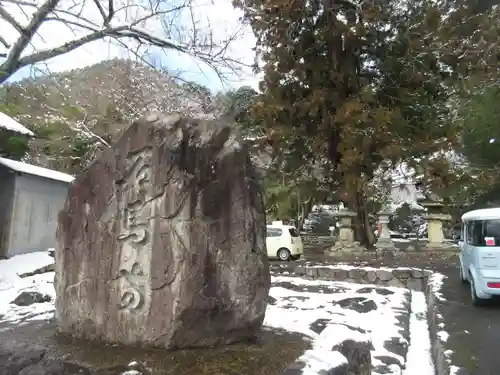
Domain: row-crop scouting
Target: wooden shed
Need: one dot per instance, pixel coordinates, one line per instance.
(30, 200)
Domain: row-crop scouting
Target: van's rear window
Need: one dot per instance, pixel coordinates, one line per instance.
(293, 232)
(477, 231)
(491, 228)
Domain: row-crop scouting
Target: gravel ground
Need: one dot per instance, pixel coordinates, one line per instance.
(270, 354)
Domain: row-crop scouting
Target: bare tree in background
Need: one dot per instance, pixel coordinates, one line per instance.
(169, 25)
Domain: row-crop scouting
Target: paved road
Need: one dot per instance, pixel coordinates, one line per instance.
(474, 331)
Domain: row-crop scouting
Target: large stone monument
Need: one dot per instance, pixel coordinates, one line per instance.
(162, 240)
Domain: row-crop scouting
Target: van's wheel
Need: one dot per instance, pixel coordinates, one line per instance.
(476, 301)
(284, 254)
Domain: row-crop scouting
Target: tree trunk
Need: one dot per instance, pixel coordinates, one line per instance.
(365, 233)
(305, 209)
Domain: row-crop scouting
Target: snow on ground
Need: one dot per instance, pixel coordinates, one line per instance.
(11, 285)
(326, 312)
(25, 263)
(331, 312)
(436, 283)
(419, 359)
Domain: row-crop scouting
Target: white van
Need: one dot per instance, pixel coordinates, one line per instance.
(283, 242)
(480, 253)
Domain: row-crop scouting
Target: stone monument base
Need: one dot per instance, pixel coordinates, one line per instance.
(385, 247)
(340, 249)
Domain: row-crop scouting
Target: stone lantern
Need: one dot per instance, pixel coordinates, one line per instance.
(435, 218)
(384, 244)
(345, 242)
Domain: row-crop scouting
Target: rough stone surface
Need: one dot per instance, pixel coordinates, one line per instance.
(162, 240)
(29, 298)
(384, 275)
(360, 304)
(358, 356)
(39, 271)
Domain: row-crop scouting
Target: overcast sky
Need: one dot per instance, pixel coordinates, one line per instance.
(224, 21)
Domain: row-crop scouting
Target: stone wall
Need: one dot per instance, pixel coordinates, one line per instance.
(411, 278)
(311, 240)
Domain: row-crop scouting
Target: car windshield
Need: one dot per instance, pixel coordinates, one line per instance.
(293, 232)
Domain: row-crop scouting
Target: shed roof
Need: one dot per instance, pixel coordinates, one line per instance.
(8, 123)
(36, 171)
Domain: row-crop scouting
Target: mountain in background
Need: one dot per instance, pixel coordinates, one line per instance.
(77, 112)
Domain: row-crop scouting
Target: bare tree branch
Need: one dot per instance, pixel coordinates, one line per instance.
(12, 61)
(103, 13)
(124, 22)
(50, 53)
(7, 17)
(4, 42)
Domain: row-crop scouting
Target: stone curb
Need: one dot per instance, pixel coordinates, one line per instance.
(440, 353)
(411, 278)
(435, 320)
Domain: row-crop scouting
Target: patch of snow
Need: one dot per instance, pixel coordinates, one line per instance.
(297, 310)
(11, 285)
(349, 267)
(443, 336)
(419, 359)
(25, 263)
(8, 123)
(401, 240)
(413, 205)
(36, 171)
(327, 207)
(319, 360)
(43, 284)
(436, 282)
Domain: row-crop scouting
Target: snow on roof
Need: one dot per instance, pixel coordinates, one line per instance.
(483, 214)
(413, 205)
(36, 171)
(403, 174)
(8, 123)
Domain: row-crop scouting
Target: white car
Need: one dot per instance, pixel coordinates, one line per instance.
(480, 253)
(283, 242)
